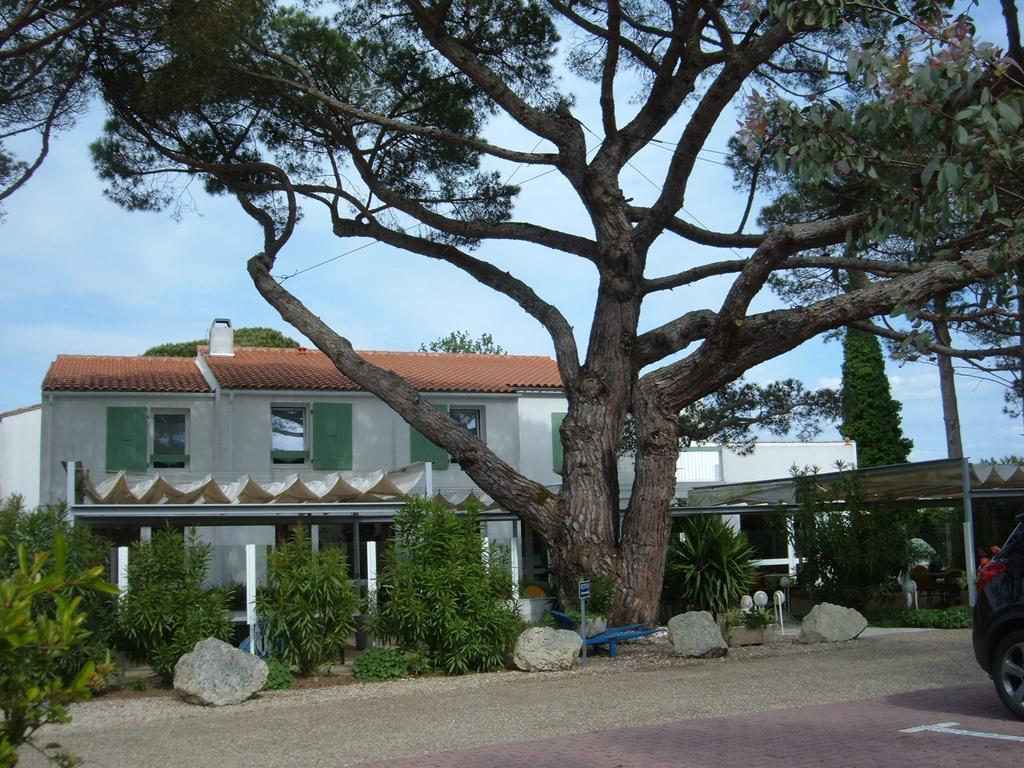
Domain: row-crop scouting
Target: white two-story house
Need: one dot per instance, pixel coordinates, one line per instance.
(243, 442)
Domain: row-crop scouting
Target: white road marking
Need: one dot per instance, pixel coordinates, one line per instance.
(952, 729)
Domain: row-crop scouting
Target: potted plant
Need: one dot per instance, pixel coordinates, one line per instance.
(747, 628)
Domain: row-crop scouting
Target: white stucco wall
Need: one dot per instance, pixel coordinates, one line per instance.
(380, 437)
(19, 455)
(771, 460)
(74, 427)
(536, 449)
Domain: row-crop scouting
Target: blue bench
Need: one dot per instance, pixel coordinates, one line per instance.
(610, 637)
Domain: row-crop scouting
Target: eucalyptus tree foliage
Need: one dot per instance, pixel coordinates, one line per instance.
(967, 197)
(381, 114)
(43, 84)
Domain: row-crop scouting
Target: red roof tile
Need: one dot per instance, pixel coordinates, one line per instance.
(305, 369)
(101, 373)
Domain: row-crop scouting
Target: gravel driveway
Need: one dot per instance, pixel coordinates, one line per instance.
(354, 723)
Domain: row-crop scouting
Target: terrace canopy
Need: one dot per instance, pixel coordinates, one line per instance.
(944, 482)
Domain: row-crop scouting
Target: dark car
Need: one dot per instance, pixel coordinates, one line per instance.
(999, 620)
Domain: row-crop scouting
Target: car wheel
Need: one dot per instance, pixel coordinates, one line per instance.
(1008, 672)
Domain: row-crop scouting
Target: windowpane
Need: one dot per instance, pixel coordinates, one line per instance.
(288, 429)
(467, 417)
(169, 433)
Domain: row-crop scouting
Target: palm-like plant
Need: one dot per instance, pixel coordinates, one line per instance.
(710, 565)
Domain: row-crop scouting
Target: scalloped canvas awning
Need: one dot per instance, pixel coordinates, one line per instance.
(333, 488)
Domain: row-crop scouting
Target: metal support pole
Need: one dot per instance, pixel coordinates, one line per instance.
(972, 566)
(428, 479)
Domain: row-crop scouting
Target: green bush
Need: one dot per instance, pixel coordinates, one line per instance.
(40, 628)
(852, 553)
(710, 567)
(309, 604)
(37, 531)
(279, 675)
(381, 664)
(438, 594)
(166, 610)
(957, 617)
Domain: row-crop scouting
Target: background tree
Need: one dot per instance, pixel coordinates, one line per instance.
(461, 341)
(380, 116)
(871, 416)
(244, 337)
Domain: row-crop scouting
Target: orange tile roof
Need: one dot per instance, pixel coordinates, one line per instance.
(306, 369)
(102, 373)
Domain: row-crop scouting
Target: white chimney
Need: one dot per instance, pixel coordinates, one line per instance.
(222, 337)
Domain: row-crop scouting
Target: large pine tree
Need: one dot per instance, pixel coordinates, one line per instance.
(871, 416)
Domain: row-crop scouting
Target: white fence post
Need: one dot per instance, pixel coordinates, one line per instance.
(516, 553)
(371, 571)
(250, 594)
(122, 571)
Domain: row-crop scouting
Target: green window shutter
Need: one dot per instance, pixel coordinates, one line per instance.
(332, 436)
(557, 451)
(422, 449)
(127, 436)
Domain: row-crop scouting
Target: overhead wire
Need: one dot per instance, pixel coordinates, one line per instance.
(507, 180)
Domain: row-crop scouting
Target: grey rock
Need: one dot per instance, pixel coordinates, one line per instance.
(217, 674)
(696, 634)
(542, 649)
(828, 623)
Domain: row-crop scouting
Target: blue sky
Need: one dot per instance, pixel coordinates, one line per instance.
(83, 276)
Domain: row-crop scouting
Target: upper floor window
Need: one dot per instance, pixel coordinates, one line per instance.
(139, 439)
(288, 444)
(170, 440)
(470, 418)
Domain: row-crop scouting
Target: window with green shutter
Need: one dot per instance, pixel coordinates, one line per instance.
(422, 449)
(332, 436)
(127, 438)
(557, 451)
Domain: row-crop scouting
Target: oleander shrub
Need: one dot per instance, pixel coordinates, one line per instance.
(166, 609)
(42, 625)
(440, 596)
(381, 664)
(37, 531)
(309, 603)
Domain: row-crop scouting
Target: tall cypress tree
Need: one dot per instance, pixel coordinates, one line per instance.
(871, 416)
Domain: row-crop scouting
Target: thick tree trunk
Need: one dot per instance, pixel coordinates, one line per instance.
(646, 527)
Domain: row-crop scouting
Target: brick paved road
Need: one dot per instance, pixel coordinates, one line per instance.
(853, 734)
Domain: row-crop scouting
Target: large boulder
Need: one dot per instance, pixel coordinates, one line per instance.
(216, 674)
(542, 649)
(696, 634)
(828, 623)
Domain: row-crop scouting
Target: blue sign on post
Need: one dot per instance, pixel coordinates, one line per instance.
(584, 590)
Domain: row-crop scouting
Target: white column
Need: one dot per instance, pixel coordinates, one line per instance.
(371, 571)
(122, 570)
(145, 533)
(70, 489)
(314, 537)
(517, 552)
(250, 594)
(428, 479)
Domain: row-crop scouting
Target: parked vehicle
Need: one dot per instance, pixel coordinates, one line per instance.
(999, 620)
